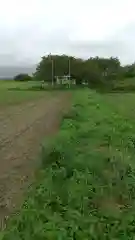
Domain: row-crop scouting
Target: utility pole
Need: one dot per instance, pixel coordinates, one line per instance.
(52, 68)
(52, 72)
(69, 70)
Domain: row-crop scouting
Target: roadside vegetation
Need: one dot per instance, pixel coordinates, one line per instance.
(86, 186)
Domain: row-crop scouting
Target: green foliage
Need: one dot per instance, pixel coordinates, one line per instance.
(93, 71)
(22, 77)
(99, 73)
(129, 71)
(87, 185)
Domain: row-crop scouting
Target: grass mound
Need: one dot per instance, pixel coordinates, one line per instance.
(87, 184)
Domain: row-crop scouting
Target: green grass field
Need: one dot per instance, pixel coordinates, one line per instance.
(86, 187)
(11, 92)
(124, 85)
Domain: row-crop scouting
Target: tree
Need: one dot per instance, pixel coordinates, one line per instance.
(44, 68)
(95, 71)
(129, 71)
(22, 77)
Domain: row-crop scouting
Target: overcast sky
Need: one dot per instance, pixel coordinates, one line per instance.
(30, 29)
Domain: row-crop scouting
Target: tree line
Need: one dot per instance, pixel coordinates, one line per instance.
(95, 71)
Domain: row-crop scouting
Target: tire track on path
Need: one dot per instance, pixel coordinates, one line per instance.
(19, 148)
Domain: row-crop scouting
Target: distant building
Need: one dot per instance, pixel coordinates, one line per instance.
(64, 80)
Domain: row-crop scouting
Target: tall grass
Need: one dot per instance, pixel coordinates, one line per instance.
(12, 92)
(87, 185)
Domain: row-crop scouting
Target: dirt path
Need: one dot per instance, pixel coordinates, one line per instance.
(22, 129)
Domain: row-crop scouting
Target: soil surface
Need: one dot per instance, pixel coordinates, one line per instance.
(22, 130)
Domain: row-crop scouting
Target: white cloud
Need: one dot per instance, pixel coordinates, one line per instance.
(32, 28)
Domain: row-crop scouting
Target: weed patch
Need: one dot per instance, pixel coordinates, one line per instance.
(87, 184)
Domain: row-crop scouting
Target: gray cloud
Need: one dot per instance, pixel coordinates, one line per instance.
(53, 26)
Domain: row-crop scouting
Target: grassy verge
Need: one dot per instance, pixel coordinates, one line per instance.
(87, 185)
(11, 84)
(12, 92)
(8, 98)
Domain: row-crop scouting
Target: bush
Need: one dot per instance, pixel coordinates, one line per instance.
(22, 77)
(95, 79)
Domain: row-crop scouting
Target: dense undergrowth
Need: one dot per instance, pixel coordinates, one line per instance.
(87, 185)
